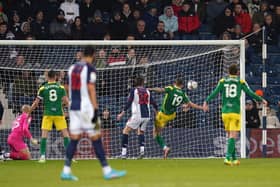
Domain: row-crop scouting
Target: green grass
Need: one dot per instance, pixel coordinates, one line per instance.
(146, 173)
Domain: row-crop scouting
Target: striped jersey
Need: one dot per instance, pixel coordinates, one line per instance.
(140, 100)
(79, 76)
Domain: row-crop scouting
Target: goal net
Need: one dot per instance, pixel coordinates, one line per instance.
(193, 134)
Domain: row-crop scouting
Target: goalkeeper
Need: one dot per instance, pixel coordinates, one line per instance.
(19, 150)
(231, 88)
(174, 97)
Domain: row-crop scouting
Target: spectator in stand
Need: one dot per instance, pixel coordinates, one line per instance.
(101, 59)
(225, 36)
(5, 34)
(188, 23)
(242, 18)
(116, 57)
(136, 15)
(235, 2)
(272, 119)
(252, 115)
(237, 34)
(118, 27)
(2, 14)
(224, 22)
(131, 57)
(141, 33)
(254, 7)
(59, 28)
(126, 13)
(252, 120)
(277, 18)
(15, 26)
(96, 29)
(71, 10)
(258, 17)
(159, 33)
(170, 21)
(214, 9)
(25, 29)
(106, 120)
(106, 125)
(87, 9)
(255, 40)
(151, 18)
(141, 5)
(107, 36)
(271, 31)
(39, 27)
(77, 29)
(200, 9)
(177, 6)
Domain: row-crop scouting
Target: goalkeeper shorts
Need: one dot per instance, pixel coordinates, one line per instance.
(231, 121)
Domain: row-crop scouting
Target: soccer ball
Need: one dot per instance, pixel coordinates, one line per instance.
(192, 85)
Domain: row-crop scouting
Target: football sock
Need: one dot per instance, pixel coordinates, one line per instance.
(70, 151)
(99, 151)
(66, 142)
(233, 154)
(230, 148)
(43, 146)
(160, 141)
(141, 139)
(124, 140)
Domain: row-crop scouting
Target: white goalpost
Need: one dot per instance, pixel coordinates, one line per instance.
(193, 134)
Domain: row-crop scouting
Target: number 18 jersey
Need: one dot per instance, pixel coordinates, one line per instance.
(173, 98)
(52, 93)
(231, 88)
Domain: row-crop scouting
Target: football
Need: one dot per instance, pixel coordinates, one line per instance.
(192, 85)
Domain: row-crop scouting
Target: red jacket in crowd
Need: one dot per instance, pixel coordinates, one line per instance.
(244, 20)
(188, 22)
(176, 9)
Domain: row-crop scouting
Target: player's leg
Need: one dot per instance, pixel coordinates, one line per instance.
(235, 126)
(95, 135)
(75, 130)
(61, 125)
(226, 121)
(19, 150)
(1, 154)
(47, 123)
(125, 134)
(141, 137)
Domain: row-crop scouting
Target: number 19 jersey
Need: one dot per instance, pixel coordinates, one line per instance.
(231, 88)
(52, 93)
(173, 98)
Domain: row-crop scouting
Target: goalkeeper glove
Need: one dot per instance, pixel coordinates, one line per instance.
(95, 115)
(34, 141)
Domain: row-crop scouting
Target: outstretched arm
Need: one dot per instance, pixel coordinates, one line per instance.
(158, 90)
(35, 104)
(199, 107)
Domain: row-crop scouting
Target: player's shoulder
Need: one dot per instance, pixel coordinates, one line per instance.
(170, 87)
(222, 80)
(242, 81)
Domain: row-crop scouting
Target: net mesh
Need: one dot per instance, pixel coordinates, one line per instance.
(192, 134)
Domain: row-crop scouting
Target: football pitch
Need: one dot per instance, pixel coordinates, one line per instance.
(146, 173)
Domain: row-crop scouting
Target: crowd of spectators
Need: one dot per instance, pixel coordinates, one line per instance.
(139, 19)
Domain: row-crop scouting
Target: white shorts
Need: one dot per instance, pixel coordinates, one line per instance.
(80, 121)
(137, 122)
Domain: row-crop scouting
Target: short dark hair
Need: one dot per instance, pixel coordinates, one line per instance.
(179, 82)
(52, 74)
(233, 70)
(139, 81)
(89, 51)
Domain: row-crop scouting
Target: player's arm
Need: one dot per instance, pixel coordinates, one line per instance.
(37, 99)
(213, 94)
(154, 103)
(127, 105)
(91, 86)
(250, 92)
(158, 90)
(65, 100)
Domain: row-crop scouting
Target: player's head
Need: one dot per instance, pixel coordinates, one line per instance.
(139, 81)
(233, 69)
(25, 108)
(179, 83)
(52, 75)
(89, 54)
